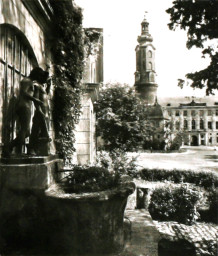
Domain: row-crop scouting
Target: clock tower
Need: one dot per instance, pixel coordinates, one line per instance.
(145, 66)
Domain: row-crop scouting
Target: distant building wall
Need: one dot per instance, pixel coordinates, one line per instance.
(198, 122)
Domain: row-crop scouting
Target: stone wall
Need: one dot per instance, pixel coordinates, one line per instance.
(86, 128)
(85, 132)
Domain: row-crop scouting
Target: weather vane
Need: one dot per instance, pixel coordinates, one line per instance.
(145, 14)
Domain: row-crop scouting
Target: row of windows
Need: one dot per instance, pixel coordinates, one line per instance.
(194, 112)
(210, 139)
(193, 125)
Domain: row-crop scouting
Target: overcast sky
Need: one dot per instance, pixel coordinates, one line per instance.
(121, 21)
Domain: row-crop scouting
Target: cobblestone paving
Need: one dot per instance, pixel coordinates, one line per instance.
(198, 234)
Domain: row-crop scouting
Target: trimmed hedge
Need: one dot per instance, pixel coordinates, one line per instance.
(175, 204)
(206, 179)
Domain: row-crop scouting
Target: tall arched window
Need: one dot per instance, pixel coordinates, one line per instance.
(201, 124)
(177, 125)
(149, 54)
(150, 65)
(185, 124)
(152, 78)
(16, 61)
(193, 124)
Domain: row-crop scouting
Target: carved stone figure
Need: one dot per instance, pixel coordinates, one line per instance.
(23, 111)
(39, 137)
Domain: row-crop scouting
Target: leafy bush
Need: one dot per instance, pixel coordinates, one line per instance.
(90, 179)
(119, 162)
(213, 207)
(206, 179)
(211, 214)
(174, 204)
(177, 142)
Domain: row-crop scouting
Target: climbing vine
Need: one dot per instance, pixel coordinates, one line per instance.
(68, 58)
(71, 47)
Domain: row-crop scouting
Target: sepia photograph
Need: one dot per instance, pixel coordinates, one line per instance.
(108, 127)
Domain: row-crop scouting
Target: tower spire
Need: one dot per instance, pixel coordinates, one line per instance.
(145, 25)
(145, 65)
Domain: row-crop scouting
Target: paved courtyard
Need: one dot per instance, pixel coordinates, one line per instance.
(197, 158)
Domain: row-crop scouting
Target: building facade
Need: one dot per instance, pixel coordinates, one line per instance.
(198, 121)
(24, 44)
(86, 128)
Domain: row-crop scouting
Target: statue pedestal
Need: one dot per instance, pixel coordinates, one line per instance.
(34, 173)
(23, 182)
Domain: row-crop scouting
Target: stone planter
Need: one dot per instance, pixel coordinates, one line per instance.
(88, 222)
(52, 222)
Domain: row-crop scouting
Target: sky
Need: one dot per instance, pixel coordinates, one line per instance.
(121, 22)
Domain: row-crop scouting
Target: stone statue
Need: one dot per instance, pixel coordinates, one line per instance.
(23, 112)
(39, 137)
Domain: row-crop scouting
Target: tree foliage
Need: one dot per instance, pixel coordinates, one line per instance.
(200, 19)
(121, 118)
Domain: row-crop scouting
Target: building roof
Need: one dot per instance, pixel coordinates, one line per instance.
(192, 103)
(207, 101)
(156, 112)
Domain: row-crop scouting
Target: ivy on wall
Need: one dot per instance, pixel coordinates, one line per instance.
(71, 46)
(68, 58)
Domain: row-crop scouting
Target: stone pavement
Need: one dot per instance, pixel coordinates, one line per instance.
(143, 237)
(198, 234)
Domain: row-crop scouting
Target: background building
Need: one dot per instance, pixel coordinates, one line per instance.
(196, 119)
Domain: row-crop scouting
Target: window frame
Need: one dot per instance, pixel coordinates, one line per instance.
(16, 61)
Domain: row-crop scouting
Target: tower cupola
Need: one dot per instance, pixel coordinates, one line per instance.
(145, 36)
(144, 27)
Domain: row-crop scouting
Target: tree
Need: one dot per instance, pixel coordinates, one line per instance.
(180, 138)
(200, 19)
(121, 118)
